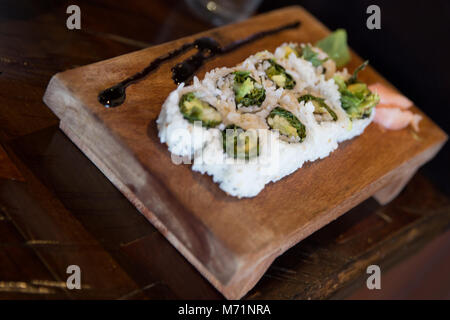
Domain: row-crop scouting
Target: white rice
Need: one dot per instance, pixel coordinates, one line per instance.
(277, 157)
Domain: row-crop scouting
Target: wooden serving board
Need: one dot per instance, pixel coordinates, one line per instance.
(230, 241)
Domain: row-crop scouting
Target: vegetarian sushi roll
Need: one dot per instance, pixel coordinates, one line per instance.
(263, 119)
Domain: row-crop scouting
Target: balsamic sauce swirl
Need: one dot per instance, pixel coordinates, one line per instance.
(206, 47)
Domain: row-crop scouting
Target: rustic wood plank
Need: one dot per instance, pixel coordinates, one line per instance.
(85, 192)
(35, 44)
(22, 274)
(59, 239)
(306, 270)
(157, 257)
(402, 281)
(7, 168)
(119, 141)
(332, 262)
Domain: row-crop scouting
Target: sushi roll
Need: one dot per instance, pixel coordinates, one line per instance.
(280, 77)
(185, 119)
(290, 128)
(262, 119)
(314, 55)
(194, 108)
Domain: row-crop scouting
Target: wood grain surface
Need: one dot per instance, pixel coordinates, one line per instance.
(7, 168)
(231, 242)
(63, 188)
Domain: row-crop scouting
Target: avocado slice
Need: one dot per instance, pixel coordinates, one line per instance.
(193, 109)
(279, 79)
(320, 107)
(248, 92)
(244, 89)
(287, 124)
(359, 89)
(239, 143)
(278, 74)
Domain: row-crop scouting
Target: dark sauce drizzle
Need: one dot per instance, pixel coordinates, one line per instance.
(183, 71)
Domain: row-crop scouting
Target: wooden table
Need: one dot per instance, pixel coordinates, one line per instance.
(57, 209)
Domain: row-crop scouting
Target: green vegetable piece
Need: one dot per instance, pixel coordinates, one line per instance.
(358, 108)
(320, 107)
(335, 45)
(356, 98)
(310, 55)
(278, 74)
(350, 103)
(340, 82)
(359, 89)
(238, 143)
(368, 104)
(193, 109)
(287, 124)
(247, 91)
(354, 77)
